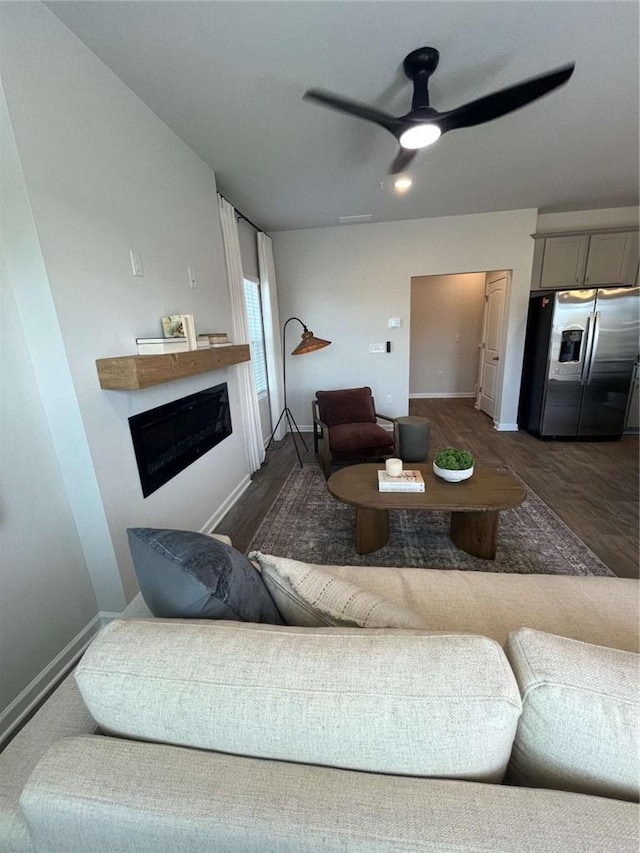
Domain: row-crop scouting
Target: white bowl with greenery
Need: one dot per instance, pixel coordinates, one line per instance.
(453, 465)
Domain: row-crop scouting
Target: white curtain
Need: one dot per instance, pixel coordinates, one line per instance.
(272, 338)
(248, 397)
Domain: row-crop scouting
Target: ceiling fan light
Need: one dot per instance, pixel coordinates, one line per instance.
(420, 136)
(402, 184)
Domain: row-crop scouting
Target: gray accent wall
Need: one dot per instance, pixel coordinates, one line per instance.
(346, 283)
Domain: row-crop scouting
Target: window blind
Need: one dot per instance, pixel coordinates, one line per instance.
(256, 335)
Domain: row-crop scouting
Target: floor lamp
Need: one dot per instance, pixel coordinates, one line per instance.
(309, 343)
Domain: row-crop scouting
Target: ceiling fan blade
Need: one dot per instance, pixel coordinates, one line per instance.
(354, 108)
(402, 160)
(504, 101)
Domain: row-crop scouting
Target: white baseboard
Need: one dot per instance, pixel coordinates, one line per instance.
(107, 616)
(224, 508)
(444, 395)
(505, 427)
(33, 693)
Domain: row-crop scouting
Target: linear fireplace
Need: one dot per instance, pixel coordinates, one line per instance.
(169, 438)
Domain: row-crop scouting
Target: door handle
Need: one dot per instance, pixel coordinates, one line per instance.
(586, 353)
(594, 346)
(496, 358)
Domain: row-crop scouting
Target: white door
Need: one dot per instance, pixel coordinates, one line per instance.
(491, 348)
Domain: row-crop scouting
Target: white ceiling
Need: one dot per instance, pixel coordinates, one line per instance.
(228, 77)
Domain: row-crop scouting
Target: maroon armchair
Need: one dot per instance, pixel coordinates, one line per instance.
(345, 422)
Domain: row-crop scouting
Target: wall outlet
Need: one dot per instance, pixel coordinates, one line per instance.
(193, 281)
(394, 322)
(136, 264)
(389, 398)
(377, 347)
(440, 374)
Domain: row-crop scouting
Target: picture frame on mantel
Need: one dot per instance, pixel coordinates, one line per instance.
(180, 326)
(173, 326)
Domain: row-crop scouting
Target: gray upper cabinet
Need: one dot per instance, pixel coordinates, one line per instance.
(587, 259)
(564, 261)
(613, 259)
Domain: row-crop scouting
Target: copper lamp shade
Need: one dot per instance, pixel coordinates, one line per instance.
(309, 343)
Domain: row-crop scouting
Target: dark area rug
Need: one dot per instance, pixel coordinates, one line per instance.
(306, 523)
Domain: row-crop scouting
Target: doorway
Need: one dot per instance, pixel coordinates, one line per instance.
(457, 337)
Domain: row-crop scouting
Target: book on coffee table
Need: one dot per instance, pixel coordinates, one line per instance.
(408, 481)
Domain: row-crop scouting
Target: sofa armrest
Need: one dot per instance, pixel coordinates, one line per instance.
(64, 714)
(104, 794)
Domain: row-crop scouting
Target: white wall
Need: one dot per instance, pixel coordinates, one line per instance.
(610, 217)
(346, 282)
(447, 313)
(104, 175)
(46, 596)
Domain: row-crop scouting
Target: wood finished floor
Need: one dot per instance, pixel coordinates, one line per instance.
(592, 486)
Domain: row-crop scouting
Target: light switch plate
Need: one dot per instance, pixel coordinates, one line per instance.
(394, 322)
(136, 264)
(373, 348)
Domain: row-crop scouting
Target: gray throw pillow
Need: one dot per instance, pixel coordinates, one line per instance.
(187, 575)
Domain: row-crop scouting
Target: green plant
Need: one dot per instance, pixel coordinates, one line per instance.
(454, 460)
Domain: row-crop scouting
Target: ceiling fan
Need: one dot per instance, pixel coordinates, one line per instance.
(423, 124)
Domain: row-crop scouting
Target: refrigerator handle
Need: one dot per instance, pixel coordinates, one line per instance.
(586, 355)
(594, 346)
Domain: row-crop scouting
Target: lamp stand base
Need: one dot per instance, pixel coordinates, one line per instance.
(293, 429)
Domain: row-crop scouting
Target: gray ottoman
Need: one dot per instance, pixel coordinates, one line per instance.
(413, 434)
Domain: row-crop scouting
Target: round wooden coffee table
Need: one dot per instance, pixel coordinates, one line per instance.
(474, 504)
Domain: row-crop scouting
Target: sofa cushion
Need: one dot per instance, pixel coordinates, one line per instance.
(100, 795)
(580, 725)
(190, 575)
(307, 596)
(600, 610)
(400, 701)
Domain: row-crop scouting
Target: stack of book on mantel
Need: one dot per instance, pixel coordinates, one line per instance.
(159, 346)
(406, 481)
(216, 339)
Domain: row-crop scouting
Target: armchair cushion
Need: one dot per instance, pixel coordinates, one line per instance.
(362, 439)
(347, 406)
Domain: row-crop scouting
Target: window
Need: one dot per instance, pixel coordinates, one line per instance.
(256, 334)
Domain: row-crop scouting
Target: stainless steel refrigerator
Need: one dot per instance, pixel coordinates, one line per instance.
(580, 350)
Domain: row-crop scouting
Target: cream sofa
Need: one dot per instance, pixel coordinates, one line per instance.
(243, 737)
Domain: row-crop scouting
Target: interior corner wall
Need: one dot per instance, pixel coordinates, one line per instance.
(104, 176)
(47, 598)
(447, 314)
(346, 282)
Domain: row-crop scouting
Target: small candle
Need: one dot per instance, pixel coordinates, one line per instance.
(393, 467)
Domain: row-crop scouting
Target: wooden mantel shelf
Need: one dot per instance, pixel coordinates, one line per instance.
(132, 372)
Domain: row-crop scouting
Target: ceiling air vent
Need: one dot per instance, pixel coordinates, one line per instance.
(354, 220)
